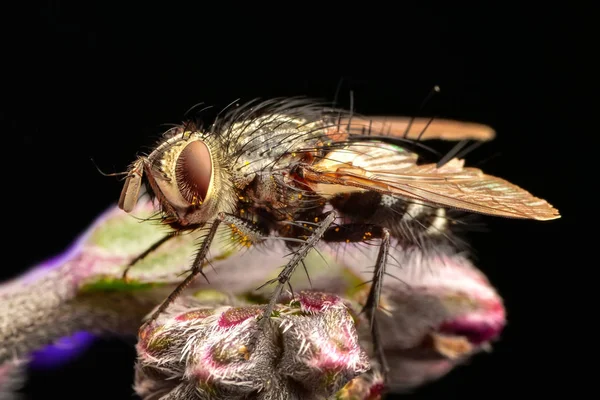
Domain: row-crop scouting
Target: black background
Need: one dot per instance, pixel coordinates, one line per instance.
(97, 82)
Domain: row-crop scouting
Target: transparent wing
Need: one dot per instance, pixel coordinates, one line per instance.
(394, 171)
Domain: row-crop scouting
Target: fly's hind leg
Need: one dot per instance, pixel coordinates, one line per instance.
(355, 233)
(372, 304)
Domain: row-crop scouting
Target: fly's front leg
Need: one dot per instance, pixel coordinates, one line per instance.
(241, 227)
(195, 270)
(129, 198)
(285, 275)
(149, 250)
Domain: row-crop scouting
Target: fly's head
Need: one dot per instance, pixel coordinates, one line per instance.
(188, 177)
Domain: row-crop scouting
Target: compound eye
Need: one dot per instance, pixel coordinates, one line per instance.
(194, 172)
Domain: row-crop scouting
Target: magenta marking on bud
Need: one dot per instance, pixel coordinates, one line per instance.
(194, 315)
(235, 316)
(333, 350)
(481, 326)
(220, 361)
(315, 353)
(477, 332)
(316, 302)
(335, 355)
(376, 391)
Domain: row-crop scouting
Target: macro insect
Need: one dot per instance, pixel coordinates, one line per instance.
(298, 171)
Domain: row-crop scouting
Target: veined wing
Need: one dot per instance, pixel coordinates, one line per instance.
(390, 170)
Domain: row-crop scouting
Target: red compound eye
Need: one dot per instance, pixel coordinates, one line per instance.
(194, 171)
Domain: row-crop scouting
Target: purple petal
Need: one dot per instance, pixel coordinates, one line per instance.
(62, 351)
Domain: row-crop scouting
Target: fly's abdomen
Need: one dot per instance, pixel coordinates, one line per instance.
(409, 221)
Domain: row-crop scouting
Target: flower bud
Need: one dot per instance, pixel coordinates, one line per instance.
(308, 349)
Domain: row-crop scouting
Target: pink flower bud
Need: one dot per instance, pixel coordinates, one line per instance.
(310, 349)
(437, 310)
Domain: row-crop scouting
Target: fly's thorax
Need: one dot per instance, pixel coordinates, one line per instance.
(270, 141)
(188, 171)
(274, 191)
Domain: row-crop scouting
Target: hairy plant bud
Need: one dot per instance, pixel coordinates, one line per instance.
(309, 350)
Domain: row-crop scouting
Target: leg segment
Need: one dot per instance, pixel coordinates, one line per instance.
(354, 233)
(242, 226)
(149, 250)
(285, 275)
(372, 304)
(195, 270)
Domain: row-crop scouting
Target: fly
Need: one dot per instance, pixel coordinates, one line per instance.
(293, 170)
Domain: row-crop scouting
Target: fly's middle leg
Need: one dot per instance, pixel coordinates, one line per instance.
(298, 257)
